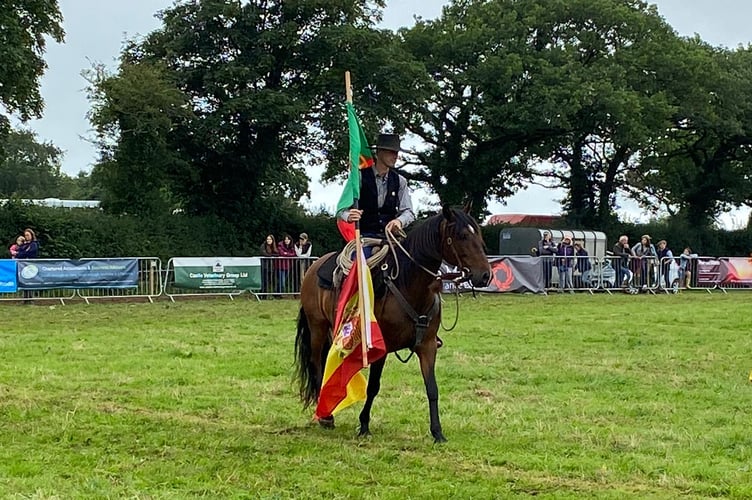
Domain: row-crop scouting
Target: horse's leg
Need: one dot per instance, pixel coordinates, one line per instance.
(374, 384)
(319, 351)
(311, 348)
(427, 355)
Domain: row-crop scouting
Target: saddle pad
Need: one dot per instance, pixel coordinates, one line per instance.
(326, 272)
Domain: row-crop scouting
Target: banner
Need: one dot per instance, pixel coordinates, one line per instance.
(101, 273)
(708, 273)
(8, 282)
(217, 273)
(735, 270)
(517, 274)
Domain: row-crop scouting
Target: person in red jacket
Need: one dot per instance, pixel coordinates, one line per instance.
(286, 252)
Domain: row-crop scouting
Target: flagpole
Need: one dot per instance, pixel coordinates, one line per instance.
(358, 253)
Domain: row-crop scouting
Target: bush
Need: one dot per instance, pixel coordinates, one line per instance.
(81, 232)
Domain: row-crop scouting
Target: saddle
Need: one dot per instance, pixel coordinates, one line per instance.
(332, 271)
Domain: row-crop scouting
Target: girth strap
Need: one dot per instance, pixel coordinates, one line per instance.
(421, 320)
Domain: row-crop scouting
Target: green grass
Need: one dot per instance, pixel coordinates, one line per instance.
(559, 397)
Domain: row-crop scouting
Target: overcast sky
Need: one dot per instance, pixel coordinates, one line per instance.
(95, 31)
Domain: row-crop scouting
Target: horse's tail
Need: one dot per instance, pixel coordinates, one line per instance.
(305, 371)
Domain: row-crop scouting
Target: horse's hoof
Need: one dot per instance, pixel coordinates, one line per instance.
(364, 433)
(327, 422)
(439, 439)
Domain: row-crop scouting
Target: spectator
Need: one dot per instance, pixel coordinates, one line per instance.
(564, 262)
(685, 267)
(30, 248)
(582, 265)
(20, 240)
(665, 258)
(286, 250)
(268, 252)
(546, 250)
(303, 246)
(623, 253)
(303, 250)
(645, 250)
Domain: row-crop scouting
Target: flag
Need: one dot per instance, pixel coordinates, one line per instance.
(360, 157)
(343, 383)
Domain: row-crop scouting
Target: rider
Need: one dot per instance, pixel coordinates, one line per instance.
(385, 203)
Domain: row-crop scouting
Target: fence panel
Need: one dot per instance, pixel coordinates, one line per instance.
(261, 277)
(735, 273)
(64, 280)
(282, 276)
(148, 285)
(704, 273)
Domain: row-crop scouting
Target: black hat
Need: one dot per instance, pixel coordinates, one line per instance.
(389, 142)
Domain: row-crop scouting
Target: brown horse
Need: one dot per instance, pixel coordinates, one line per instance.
(409, 313)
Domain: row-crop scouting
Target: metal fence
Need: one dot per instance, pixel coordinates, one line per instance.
(646, 274)
(148, 287)
(172, 290)
(149, 284)
(279, 277)
(282, 278)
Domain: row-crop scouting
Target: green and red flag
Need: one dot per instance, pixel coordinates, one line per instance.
(360, 158)
(343, 383)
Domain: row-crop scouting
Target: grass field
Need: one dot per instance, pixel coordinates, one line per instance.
(559, 397)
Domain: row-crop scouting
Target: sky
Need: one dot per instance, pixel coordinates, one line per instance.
(96, 30)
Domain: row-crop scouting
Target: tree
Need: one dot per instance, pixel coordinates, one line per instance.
(259, 81)
(622, 51)
(80, 187)
(24, 24)
(30, 169)
(508, 81)
(135, 114)
(702, 165)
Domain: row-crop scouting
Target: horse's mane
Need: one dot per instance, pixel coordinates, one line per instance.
(424, 243)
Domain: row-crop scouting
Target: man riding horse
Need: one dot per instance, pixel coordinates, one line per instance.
(385, 204)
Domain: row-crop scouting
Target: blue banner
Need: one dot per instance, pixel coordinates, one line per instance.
(100, 273)
(8, 283)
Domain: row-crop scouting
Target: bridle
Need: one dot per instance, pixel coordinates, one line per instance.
(455, 277)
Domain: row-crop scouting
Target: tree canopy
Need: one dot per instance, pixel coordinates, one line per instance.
(224, 104)
(32, 169)
(221, 110)
(24, 24)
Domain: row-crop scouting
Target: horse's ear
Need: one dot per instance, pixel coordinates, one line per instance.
(447, 213)
(468, 206)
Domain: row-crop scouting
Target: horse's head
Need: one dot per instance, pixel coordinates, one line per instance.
(462, 246)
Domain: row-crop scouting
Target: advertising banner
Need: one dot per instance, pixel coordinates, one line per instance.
(736, 270)
(101, 273)
(708, 272)
(217, 273)
(8, 283)
(516, 274)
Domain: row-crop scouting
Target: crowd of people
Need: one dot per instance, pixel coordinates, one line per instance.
(643, 265)
(568, 258)
(282, 267)
(637, 265)
(25, 246)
